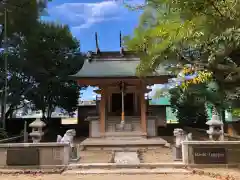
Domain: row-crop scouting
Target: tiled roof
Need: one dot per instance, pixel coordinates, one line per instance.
(113, 64)
(108, 55)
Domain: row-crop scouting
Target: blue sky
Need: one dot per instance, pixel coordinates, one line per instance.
(85, 17)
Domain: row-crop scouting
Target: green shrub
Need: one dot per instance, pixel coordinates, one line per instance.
(236, 112)
(3, 134)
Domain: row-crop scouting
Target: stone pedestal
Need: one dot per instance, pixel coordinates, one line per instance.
(74, 155)
(25, 133)
(68, 139)
(177, 153)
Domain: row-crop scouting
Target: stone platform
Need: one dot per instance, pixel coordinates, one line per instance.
(115, 143)
(126, 158)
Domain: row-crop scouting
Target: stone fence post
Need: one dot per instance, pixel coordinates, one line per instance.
(185, 152)
(180, 136)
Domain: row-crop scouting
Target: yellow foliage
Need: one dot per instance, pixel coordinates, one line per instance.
(201, 77)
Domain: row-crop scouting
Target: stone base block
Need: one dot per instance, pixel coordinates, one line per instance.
(177, 153)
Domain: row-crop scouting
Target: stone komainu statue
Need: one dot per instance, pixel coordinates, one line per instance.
(68, 137)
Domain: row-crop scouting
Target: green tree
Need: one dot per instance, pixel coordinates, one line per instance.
(188, 106)
(21, 18)
(40, 59)
(50, 55)
(69, 95)
(196, 98)
(202, 33)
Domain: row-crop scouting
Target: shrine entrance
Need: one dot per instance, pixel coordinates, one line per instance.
(129, 104)
(116, 104)
(122, 109)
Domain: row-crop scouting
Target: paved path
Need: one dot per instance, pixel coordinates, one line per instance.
(106, 177)
(128, 171)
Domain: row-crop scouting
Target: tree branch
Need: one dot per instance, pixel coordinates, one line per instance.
(216, 9)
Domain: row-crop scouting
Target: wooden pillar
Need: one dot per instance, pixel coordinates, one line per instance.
(143, 109)
(135, 103)
(123, 111)
(109, 99)
(102, 111)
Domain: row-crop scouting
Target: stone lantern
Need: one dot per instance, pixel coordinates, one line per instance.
(37, 132)
(215, 130)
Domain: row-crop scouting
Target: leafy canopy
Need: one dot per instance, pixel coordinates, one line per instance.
(202, 33)
(40, 58)
(50, 55)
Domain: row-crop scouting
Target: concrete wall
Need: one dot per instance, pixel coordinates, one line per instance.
(234, 128)
(94, 128)
(151, 127)
(159, 112)
(48, 155)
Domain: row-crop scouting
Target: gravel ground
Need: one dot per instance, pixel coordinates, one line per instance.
(95, 156)
(104, 177)
(161, 154)
(224, 171)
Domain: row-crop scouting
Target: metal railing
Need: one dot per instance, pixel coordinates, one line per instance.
(202, 134)
(12, 139)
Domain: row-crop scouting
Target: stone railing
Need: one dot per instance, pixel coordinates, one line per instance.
(38, 155)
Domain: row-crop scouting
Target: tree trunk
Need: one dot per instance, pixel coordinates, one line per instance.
(43, 114)
(2, 111)
(2, 36)
(49, 113)
(9, 111)
(2, 97)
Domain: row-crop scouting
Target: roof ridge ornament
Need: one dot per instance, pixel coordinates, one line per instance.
(89, 56)
(96, 41)
(121, 48)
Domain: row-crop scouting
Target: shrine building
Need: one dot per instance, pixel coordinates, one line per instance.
(122, 109)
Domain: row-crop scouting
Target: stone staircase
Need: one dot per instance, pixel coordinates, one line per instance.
(132, 127)
(121, 139)
(133, 120)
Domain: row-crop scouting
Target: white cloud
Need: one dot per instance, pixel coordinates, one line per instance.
(134, 2)
(154, 88)
(83, 15)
